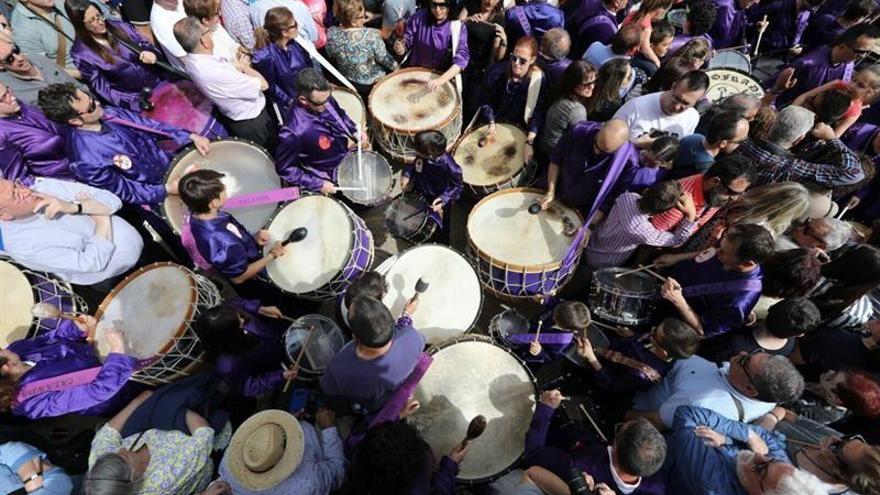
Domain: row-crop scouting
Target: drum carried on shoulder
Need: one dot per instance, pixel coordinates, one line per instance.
(154, 308)
(492, 163)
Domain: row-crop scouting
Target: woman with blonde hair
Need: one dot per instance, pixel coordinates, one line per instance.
(278, 57)
(696, 52)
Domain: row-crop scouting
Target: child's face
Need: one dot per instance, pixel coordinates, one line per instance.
(661, 48)
(219, 202)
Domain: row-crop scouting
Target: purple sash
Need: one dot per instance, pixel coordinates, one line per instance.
(544, 338)
(57, 383)
(263, 197)
(721, 288)
(520, 14)
(391, 410)
(128, 123)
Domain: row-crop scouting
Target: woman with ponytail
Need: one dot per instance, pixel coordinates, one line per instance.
(278, 56)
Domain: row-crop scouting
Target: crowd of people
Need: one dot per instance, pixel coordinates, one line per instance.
(756, 369)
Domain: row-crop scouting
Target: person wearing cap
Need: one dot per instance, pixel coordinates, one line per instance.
(273, 454)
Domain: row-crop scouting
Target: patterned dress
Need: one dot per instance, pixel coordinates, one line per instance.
(359, 53)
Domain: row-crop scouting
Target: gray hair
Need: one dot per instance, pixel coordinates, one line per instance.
(741, 102)
(555, 44)
(798, 482)
(792, 123)
(838, 232)
(640, 448)
(110, 475)
(778, 380)
(188, 32)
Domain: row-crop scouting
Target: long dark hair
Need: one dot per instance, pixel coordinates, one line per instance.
(609, 80)
(220, 331)
(389, 460)
(573, 76)
(76, 11)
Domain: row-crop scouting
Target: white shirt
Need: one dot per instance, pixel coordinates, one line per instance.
(67, 246)
(236, 94)
(622, 486)
(301, 13)
(697, 382)
(643, 114)
(162, 23)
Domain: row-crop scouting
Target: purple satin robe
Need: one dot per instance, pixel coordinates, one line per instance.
(582, 170)
(65, 350)
(280, 68)
(225, 243)
(533, 19)
(438, 178)
(646, 177)
(91, 156)
(620, 378)
(823, 30)
(120, 82)
(788, 24)
(32, 146)
(730, 24)
(811, 71)
(311, 145)
(505, 100)
(553, 69)
(589, 22)
(430, 44)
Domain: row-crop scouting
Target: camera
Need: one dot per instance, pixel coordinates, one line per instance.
(577, 484)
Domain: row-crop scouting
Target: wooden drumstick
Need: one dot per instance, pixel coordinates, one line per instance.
(360, 160)
(652, 272)
(634, 270)
(760, 35)
(593, 422)
(50, 311)
(538, 331)
(299, 356)
(476, 428)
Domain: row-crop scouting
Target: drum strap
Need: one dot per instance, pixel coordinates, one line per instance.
(189, 245)
(721, 288)
(645, 369)
(309, 47)
(455, 35)
(522, 20)
(848, 72)
(533, 92)
(391, 410)
(263, 197)
(57, 383)
(128, 123)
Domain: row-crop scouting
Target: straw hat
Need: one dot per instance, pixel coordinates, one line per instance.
(266, 449)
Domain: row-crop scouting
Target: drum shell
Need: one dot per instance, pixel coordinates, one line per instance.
(731, 60)
(307, 370)
(612, 302)
(423, 233)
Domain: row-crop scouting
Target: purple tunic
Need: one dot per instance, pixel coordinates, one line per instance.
(811, 71)
(280, 68)
(311, 145)
(719, 313)
(505, 100)
(788, 24)
(532, 19)
(589, 22)
(823, 30)
(553, 69)
(65, 350)
(430, 44)
(118, 83)
(618, 377)
(32, 146)
(582, 170)
(91, 156)
(730, 24)
(646, 177)
(225, 243)
(438, 178)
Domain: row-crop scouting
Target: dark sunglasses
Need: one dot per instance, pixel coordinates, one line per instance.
(16, 50)
(591, 82)
(856, 50)
(439, 5)
(518, 60)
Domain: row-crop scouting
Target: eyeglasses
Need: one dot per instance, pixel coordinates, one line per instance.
(518, 60)
(439, 5)
(858, 51)
(591, 82)
(837, 447)
(292, 26)
(16, 50)
(94, 19)
(732, 192)
(743, 362)
(317, 103)
(93, 105)
(762, 468)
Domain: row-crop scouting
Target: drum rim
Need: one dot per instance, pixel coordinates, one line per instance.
(427, 218)
(334, 88)
(623, 292)
(391, 181)
(542, 267)
(190, 310)
(79, 304)
(456, 110)
(470, 263)
(499, 339)
(351, 244)
(185, 152)
(294, 322)
(496, 185)
(485, 339)
(741, 73)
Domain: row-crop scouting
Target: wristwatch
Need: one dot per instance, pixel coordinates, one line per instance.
(79, 207)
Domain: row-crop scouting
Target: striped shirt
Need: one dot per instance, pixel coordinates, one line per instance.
(627, 228)
(692, 185)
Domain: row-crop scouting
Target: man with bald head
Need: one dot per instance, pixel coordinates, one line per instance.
(591, 165)
(553, 55)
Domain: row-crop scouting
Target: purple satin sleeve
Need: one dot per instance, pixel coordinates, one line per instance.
(232, 371)
(90, 169)
(264, 64)
(463, 54)
(443, 482)
(180, 136)
(287, 162)
(536, 437)
(728, 317)
(13, 165)
(114, 374)
(66, 330)
(250, 306)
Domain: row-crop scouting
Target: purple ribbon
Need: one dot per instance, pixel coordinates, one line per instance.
(721, 288)
(544, 338)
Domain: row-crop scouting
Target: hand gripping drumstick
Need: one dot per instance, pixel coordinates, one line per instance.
(476, 428)
(49, 310)
(634, 270)
(652, 272)
(299, 356)
(538, 331)
(760, 35)
(422, 285)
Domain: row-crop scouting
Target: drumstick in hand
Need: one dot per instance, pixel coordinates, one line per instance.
(50, 311)
(634, 270)
(299, 356)
(760, 35)
(538, 331)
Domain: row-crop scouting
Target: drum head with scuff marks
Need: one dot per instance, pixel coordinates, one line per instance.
(150, 310)
(402, 101)
(317, 259)
(351, 104)
(467, 379)
(248, 170)
(16, 300)
(452, 302)
(499, 158)
(502, 227)
(375, 176)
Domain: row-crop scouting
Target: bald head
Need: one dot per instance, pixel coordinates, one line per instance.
(613, 135)
(555, 44)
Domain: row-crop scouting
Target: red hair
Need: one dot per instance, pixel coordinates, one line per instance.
(861, 393)
(528, 42)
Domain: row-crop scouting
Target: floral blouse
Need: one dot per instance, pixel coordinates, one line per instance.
(359, 53)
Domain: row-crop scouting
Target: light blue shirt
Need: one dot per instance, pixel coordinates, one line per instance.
(34, 35)
(698, 382)
(597, 54)
(14, 454)
(67, 245)
(301, 13)
(321, 470)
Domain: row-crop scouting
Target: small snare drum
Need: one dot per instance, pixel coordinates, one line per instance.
(326, 340)
(373, 178)
(408, 217)
(731, 59)
(491, 163)
(628, 300)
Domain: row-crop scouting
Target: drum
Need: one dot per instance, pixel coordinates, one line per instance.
(374, 176)
(511, 322)
(627, 300)
(731, 59)
(518, 254)
(724, 82)
(402, 106)
(20, 289)
(676, 17)
(248, 169)
(408, 217)
(453, 300)
(154, 307)
(490, 163)
(471, 376)
(326, 340)
(351, 104)
(336, 251)
(182, 105)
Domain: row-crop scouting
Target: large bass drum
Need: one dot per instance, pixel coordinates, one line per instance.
(490, 163)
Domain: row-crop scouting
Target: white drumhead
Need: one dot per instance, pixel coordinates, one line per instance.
(16, 300)
(723, 83)
(351, 103)
(452, 302)
(317, 259)
(151, 308)
(500, 157)
(467, 379)
(501, 227)
(248, 170)
(402, 101)
(375, 179)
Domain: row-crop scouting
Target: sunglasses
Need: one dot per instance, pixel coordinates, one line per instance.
(292, 26)
(16, 50)
(317, 103)
(518, 60)
(591, 82)
(743, 362)
(439, 5)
